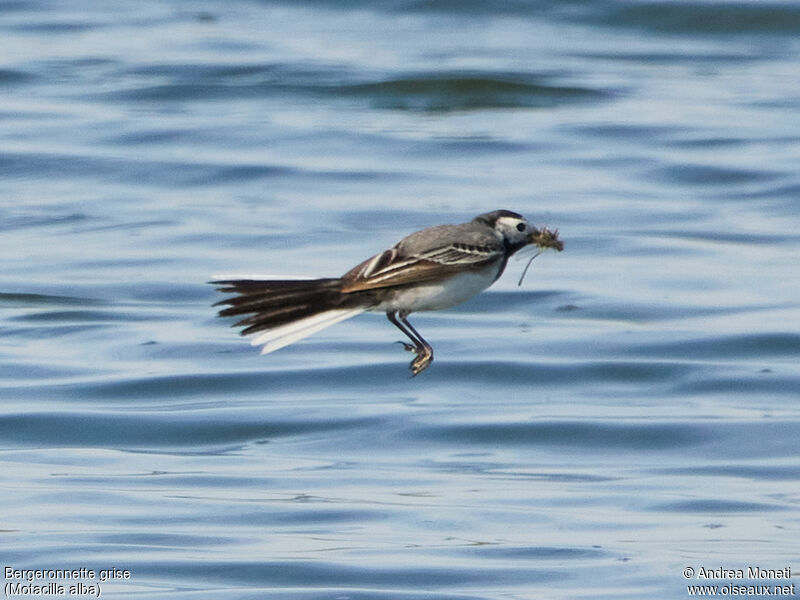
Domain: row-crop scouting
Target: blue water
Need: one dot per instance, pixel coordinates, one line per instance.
(631, 410)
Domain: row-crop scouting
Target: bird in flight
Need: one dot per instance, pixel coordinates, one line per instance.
(431, 269)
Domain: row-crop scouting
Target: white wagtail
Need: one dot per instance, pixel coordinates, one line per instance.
(431, 269)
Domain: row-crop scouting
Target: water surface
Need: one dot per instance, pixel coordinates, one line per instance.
(629, 411)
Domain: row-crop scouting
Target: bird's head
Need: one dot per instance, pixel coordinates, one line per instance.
(517, 232)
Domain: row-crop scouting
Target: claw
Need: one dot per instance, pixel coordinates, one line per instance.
(421, 362)
(422, 349)
(408, 347)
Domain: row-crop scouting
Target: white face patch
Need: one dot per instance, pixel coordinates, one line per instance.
(514, 230)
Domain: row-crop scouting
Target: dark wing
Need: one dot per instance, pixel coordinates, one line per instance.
(394, 267)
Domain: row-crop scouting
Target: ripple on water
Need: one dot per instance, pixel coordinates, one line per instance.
(716, 506)
(459, 91)
(574, 434)
(198, 431)
(750, 345)
(721, 18)
(325, 574)
(428, 91)
(695, 174)
(21, 300)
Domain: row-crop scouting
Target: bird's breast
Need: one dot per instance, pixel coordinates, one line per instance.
(436, 295)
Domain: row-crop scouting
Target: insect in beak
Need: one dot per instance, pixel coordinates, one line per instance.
(544, 239)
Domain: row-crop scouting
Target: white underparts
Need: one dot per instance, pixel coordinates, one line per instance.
(437, 295)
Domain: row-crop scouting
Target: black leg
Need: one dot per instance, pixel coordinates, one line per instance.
(392, 316)
(421, 348)
(425, 345)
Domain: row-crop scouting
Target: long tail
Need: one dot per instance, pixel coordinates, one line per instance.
(284, 311)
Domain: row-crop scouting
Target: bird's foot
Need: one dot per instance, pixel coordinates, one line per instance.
(421, 362)
(409, 347)
(423, 359)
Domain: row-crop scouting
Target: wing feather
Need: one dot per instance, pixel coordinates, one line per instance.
(393, 268)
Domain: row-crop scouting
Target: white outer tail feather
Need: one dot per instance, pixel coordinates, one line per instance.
(278, 337)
